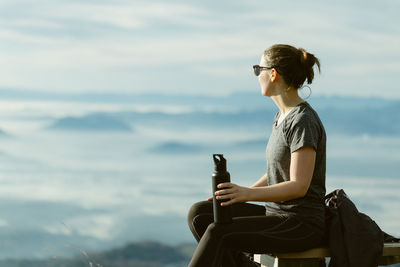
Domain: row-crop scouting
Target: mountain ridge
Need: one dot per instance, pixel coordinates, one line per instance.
(138, 254)
(378, 120)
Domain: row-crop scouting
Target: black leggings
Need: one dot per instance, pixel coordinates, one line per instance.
(252, 231)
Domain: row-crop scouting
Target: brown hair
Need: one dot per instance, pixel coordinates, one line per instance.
(294, 65)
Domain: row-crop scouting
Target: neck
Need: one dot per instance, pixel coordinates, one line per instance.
(286, 101)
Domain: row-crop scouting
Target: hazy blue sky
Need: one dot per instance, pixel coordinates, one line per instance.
(194, 47)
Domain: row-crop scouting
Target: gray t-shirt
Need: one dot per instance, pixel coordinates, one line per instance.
(301, 128)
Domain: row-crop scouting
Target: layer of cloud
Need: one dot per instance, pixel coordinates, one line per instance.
(190, 47)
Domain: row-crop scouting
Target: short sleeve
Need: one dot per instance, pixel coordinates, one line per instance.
(304, 131)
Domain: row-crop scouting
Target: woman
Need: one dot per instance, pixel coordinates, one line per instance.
(293, 187)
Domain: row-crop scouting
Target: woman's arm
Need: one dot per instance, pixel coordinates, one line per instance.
(302, 163)
(263, 181)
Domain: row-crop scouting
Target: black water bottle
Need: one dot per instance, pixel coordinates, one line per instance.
(220, 175)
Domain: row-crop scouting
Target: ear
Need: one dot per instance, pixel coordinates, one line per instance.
(273, 75)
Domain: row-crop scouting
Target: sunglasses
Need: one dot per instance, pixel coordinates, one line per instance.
(257, 69)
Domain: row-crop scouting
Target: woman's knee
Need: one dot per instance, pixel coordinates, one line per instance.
(215, 230)
(202, 207)
(199, 217)
(212, 229)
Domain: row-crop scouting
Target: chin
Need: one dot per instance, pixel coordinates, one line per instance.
(265, 93)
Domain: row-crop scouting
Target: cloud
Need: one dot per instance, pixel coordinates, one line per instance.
(3, 223)
(63, 192)
(70, 18)
(186, 46)
(98, 226)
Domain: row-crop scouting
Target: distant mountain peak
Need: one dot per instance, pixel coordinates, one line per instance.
(91, 122)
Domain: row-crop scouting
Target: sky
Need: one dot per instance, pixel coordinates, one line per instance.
(194, 47)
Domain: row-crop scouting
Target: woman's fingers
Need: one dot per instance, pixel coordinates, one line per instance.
(230, 188)
(223, 192)
(231, 193)
(227, 196)
(229, 202)
(224, 185)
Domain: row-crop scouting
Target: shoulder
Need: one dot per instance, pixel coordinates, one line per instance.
(303, 114)
(304, 128)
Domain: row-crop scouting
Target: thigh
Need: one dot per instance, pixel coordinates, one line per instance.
(247, 210)
(201, 215)
(238, 209)
(261, 234)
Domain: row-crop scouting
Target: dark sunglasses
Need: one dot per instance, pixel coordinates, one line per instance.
(257, 69)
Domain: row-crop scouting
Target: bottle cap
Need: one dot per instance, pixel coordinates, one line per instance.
(219, 162)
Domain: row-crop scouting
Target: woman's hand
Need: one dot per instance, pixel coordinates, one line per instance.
(233, 192)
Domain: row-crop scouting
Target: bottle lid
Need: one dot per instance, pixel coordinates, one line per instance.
(219, 162)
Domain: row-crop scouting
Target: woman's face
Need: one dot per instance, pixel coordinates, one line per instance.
(265, 79)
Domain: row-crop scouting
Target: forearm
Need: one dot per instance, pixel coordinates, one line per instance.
(263, 181)
(277, 192)
(301, 172)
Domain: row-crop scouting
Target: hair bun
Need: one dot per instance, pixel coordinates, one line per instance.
(305, 57)
(307, 61)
